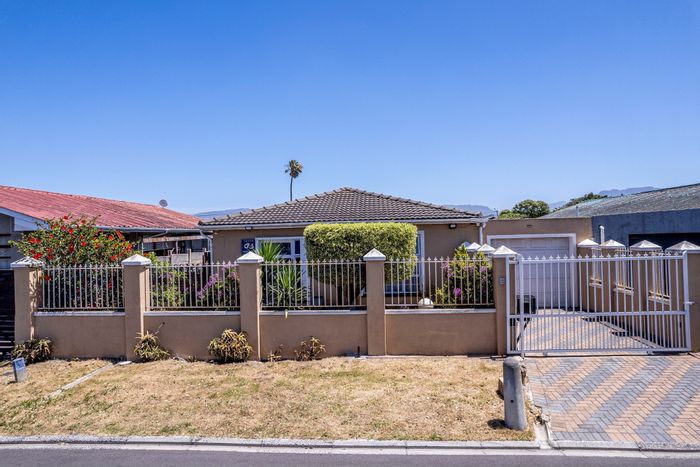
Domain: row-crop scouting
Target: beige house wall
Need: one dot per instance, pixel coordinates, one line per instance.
(581, 226)
(439, 239)
(441, 333)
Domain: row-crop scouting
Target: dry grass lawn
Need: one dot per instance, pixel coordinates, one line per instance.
(335, 398)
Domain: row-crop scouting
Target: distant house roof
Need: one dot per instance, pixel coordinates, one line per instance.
(344, 205)
(43, 205)
(667, 199)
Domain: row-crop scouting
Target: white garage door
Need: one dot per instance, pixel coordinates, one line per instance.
(535, 277)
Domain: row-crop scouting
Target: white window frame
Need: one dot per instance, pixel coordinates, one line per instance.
(420, 254)
(292, 249)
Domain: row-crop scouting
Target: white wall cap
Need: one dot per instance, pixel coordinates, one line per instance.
(684, 246)
(645, 245)
(611, 244)
(250, 257)
(485, 248)
(26, 262)
(374, 255)
(587, 243)
(471, 247)
(503, 252)
(136, 260)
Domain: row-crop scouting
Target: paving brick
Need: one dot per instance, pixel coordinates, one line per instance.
(652, 399)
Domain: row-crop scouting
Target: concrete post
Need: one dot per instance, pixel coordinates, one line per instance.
(136, 277)
(249, 268)
(693, 299)
(28, 273)
(609, 249)
(501, 261)
(513, 397)
(376, 318)
(588, 299)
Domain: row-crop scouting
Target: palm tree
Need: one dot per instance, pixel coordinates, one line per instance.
(293, 168)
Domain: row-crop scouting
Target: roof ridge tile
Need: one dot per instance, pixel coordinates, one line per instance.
(343, 205)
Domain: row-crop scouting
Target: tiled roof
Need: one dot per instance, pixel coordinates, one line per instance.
(667, 199)
(44, 205)
(344, 205)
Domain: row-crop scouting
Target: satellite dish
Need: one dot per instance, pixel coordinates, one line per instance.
(163, 203)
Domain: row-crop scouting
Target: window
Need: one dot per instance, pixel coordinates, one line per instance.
(291, 247)
(415, 282)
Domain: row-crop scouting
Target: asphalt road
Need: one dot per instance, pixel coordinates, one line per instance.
(158, 458)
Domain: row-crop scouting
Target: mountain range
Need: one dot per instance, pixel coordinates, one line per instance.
(483, 209)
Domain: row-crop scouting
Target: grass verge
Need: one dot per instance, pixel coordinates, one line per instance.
(447, 398)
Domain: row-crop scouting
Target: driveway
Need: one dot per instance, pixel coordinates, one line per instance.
(640, 399)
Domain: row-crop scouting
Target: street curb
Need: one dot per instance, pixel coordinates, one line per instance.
(407, 445)
(624, 446)
(271, 442)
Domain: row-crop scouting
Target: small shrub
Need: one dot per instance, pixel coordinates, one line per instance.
(309, 350)
(231, 347)
(330, 242)
(275, 355)
(33, 350)
(149, 349)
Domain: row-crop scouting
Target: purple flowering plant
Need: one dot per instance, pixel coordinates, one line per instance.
(467, 280)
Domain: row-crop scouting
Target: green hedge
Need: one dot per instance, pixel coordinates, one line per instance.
(353, 241)
(327, 242)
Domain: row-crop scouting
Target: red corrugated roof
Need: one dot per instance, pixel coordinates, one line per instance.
(110, 213)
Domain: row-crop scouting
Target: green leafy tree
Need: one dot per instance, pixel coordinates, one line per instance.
(587, 197)
(293, 169)
(71, 241)
(526, 209)
(509, 214)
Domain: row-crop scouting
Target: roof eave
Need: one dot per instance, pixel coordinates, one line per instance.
(286, 225)
(152, 229)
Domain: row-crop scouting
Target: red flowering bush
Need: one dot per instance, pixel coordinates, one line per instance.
(71, 241)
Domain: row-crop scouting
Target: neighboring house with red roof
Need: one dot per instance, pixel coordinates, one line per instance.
(157, 228)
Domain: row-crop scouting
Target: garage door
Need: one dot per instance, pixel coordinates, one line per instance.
(534, 276)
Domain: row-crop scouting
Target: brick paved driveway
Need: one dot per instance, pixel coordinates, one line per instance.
(642, 399)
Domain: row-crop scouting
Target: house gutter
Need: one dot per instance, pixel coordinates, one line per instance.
(155, 230)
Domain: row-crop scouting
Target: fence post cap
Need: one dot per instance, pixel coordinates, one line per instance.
(587, 243)
(136, 260)
(250, 257)
(471, 247)
(486, 248)
(611, 244)
(683, 247)
(645, 245)
(374, 255)
(503, 252)
(26, 262)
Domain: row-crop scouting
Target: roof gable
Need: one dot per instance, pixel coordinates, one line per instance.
(110, 213)
(343, 205)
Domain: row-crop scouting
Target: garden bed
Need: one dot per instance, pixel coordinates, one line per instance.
(445, 398)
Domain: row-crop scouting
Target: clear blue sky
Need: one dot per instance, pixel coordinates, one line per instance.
(488, 102)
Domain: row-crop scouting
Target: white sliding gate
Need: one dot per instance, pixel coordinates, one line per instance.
(623, 303)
